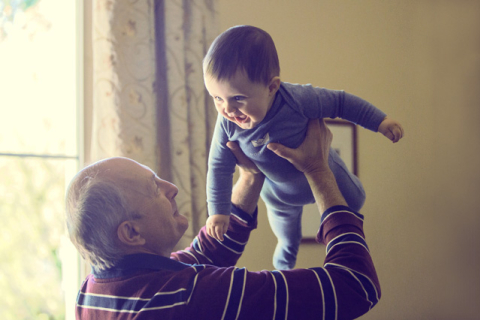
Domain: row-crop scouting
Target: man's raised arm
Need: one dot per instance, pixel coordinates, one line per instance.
(246, 191)
(245, 194)
(348, 279)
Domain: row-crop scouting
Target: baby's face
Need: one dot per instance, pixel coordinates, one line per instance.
(241, 101)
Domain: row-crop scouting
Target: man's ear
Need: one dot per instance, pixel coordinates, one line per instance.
(128, 233)
(274, 85)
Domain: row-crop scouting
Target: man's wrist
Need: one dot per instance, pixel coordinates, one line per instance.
(251, 178)
(246, 191)
(325, 189)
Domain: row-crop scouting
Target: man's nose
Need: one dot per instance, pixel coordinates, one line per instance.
(171, 190)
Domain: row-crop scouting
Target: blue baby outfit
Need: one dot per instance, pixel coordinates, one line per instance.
(286, 189)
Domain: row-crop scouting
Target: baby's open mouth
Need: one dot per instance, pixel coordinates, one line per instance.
(241, 118)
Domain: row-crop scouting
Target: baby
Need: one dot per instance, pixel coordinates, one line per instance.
(241, 73)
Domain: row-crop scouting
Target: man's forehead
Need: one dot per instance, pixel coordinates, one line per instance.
(129, 174)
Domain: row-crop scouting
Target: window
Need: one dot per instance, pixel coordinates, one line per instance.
(40, 104)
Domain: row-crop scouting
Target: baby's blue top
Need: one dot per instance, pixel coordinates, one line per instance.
(286, 123)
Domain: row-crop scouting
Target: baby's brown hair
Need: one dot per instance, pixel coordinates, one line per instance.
(244, 48)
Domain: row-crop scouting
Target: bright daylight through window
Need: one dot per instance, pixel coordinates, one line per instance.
(39, 99)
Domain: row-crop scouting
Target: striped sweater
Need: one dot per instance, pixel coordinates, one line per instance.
(201, 282)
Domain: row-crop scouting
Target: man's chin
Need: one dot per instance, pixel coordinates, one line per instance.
(183, 221)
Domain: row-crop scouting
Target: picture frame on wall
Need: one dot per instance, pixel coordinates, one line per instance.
(345, 144)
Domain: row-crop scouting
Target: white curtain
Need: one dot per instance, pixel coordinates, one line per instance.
(148, 98)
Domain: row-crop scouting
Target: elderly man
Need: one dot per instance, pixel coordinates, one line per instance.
(123, 219)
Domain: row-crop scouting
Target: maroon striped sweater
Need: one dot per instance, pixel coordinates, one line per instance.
(202, 282)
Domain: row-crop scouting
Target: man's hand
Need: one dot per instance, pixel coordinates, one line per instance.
(217, 226)
(391, 129)
(312, 154)
(243, 162)
(311, 157)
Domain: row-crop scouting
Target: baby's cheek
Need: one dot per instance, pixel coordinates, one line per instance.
(219, 110)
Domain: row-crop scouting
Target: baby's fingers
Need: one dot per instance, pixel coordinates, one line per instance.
(389, 136)
(211, 232)
(397, 133)
(219, 232)
(209, 229)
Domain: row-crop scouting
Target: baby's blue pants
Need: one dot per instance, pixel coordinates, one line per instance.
(285, 216)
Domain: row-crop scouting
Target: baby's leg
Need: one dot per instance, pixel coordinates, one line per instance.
(285, 221)
(286, 225)
(348, 183)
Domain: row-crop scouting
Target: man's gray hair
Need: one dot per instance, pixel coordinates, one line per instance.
(95, 208)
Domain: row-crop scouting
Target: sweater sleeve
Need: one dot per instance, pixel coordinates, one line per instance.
(361, 112)
(318, 102)
(221, 166)
(340, 104)
(207, 250)
(346, 287)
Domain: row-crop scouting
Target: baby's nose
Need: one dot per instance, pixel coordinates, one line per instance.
(230, 110)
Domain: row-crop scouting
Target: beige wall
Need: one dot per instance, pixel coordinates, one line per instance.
(419, 61)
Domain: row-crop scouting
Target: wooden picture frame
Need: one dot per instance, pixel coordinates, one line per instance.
(345, 143)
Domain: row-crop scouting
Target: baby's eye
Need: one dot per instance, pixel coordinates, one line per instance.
(239, 98)
(217, 98)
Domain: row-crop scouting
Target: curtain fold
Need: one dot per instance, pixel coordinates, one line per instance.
(123, 74)
(189, 28)
(149, 100)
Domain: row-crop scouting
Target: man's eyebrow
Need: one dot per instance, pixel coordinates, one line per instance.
(150, 185)
(152, 179)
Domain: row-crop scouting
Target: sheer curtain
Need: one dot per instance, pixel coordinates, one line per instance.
(148, 100)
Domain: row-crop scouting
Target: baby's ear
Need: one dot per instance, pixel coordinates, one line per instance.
(274, 85)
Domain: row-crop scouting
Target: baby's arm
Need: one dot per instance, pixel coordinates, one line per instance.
(391, 129)
(217, 226)
(221, 166)
(359, 111)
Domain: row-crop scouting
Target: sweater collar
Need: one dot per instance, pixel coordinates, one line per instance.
(133, 263)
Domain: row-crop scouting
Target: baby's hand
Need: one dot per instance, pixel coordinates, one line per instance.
(391, 129)
(217, 226)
